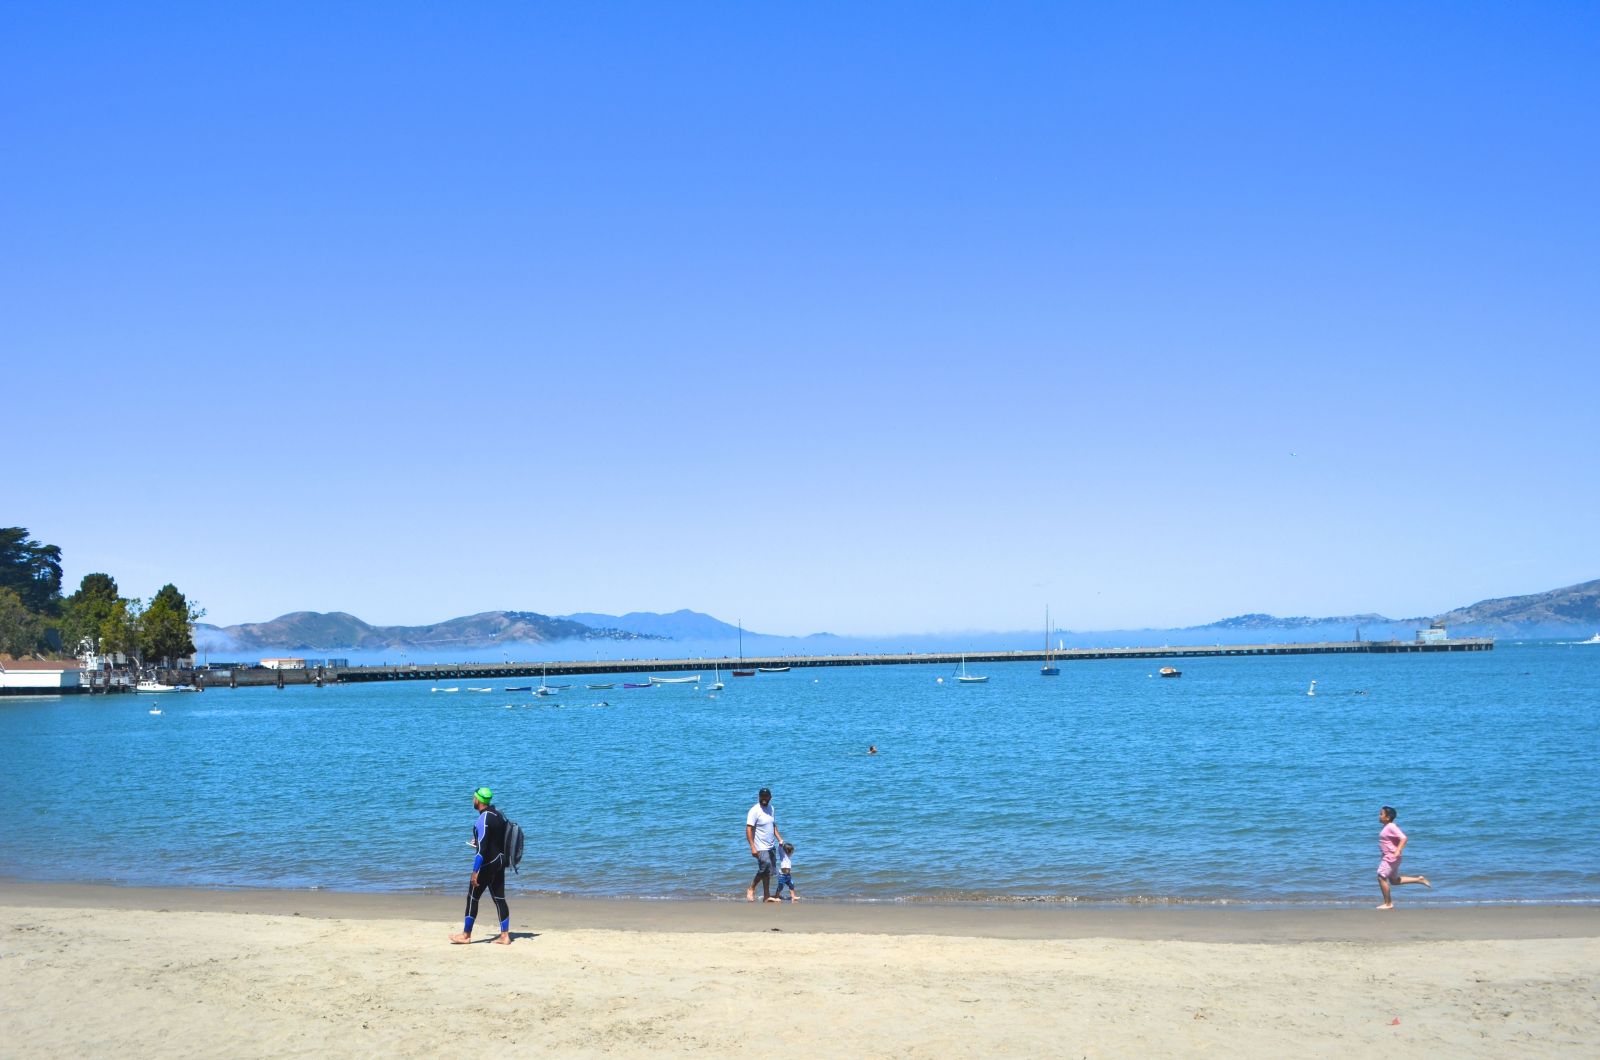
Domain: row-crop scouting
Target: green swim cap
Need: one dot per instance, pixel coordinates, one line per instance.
(483, 795)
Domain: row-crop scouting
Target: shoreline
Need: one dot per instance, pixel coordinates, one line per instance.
(190, 973)
(1152, 922)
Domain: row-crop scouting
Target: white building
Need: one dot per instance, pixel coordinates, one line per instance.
(27, 677)
(284, 664)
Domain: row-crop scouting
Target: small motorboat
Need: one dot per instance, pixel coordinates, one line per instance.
(744, 673)
(444, 690)
(631, 684)
(160, 688)
(773, 669)
(692, 679)
(519, 688)
(155, 710)
(1168, 671)
(600, 688)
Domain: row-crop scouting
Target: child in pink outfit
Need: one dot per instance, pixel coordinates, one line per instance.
(1392, 842)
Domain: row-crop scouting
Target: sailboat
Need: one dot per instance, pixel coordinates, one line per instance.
(1049, 669)
(543, 689)
(741, 671)
(716, 678)
(963, 677)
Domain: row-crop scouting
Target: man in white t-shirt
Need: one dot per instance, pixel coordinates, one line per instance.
(761, 832)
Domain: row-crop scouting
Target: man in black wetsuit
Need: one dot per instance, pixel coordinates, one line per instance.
(488, 868)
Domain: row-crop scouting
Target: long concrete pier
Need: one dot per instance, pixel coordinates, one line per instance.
(470, 671)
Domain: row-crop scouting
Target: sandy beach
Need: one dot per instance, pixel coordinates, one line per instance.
(152, 972)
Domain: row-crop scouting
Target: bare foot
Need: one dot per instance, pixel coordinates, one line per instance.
(750, 894)
(504, 939)
(460, 938)
(1424, 881)
(1385, 907)
(769, 899)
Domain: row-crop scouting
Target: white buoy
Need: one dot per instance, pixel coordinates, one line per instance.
(1312, 690)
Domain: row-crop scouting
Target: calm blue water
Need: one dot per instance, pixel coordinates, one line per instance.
(1104, 784)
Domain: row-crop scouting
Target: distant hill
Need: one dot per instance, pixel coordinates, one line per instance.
(1559, 612)
(337, 631)
(1258, 621)
(679, 625)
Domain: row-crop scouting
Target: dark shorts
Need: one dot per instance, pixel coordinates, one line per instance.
(765, 862)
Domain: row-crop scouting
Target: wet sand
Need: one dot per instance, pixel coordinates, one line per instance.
(178, 972)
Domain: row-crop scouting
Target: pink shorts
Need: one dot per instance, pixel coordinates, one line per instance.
(1390, 869)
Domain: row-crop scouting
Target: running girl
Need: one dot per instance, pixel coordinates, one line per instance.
(1392, 842)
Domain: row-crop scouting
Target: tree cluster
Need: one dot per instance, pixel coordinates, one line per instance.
(36, 618)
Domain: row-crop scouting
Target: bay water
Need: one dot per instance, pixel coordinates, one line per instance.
(1105, 784)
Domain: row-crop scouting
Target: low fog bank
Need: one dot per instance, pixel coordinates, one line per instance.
(759, 646)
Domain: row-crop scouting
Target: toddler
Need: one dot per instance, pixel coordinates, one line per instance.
(785, 876)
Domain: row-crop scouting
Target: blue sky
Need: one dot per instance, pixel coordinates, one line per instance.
(859, 318)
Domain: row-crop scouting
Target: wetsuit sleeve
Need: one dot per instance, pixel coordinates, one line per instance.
(478, 830)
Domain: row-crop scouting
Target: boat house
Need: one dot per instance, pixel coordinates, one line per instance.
(29, 677)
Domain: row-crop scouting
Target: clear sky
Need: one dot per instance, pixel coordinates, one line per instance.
(861, 317)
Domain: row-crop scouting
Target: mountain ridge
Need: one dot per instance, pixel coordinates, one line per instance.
(1555, 612)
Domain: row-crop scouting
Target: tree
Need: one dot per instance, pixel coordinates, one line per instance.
(120, 629)
(85, 611)
(21, 631)
(30, 569)
(167, 626)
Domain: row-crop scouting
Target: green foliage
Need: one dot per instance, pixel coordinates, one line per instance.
(31, 570)
(21, 631)
(119, 630)
(30, 598)
(85, 611)
(167, 627)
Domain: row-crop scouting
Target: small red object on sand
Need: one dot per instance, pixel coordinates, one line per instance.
(1395, 1022)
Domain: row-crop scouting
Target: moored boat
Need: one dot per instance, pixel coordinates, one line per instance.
(1049, 669)
(159, 687)
(1168, 671)
(692, 679)
(744, 673)
(631, 684)
(598, 688)
(773, 669)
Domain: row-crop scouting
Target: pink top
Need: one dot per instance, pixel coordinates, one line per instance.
(1389, 841)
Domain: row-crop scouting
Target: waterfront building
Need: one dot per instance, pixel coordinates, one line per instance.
(31, 677)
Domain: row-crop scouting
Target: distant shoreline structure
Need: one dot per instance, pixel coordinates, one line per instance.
(319, 675)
